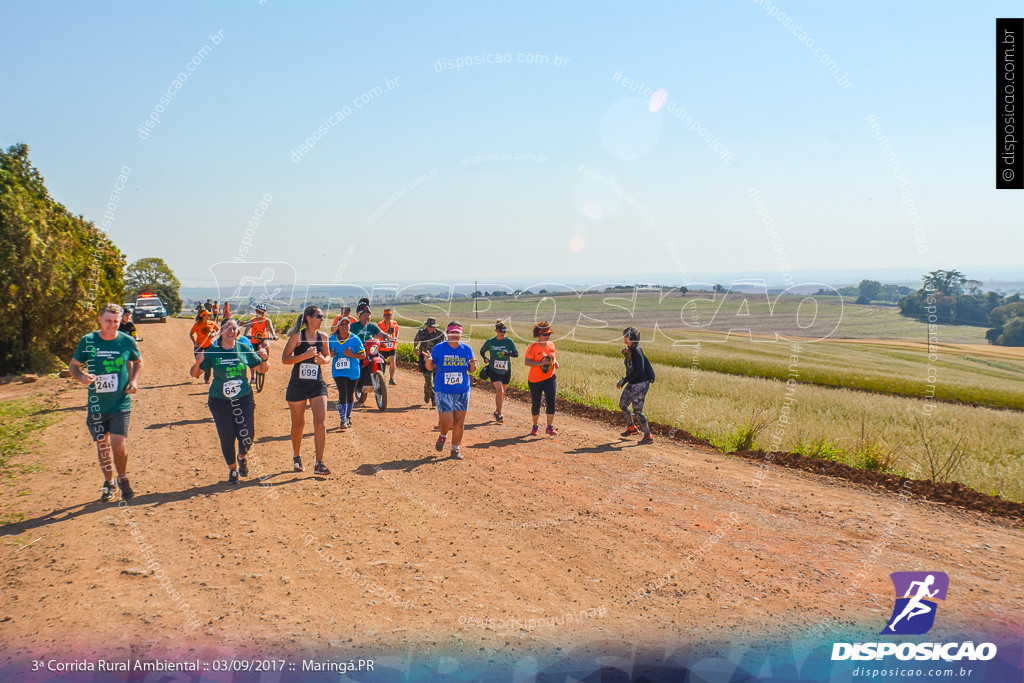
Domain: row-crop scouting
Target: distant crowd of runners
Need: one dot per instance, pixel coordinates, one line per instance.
(229, 356)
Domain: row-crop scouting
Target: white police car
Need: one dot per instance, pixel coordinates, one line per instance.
(149, 308)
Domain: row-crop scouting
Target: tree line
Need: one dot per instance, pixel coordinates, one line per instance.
(948, 297)
(56, 270)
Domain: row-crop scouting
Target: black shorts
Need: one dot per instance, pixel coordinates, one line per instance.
(304, 390)
(388, 354)
(505, 378)
(101, 424)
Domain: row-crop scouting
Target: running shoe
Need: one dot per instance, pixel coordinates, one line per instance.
(631, 431)
(320, 468)
(348, 424)
(646, 440)
(233, 477)
(126, 489)
(499, 418)
(297, 462)
(108, 491)
(344, 425)
(550, 431)
(243, 467)
(533, 432)
(456, 453)
(439, 446)
(392, 382)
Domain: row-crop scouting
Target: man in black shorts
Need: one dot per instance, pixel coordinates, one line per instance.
(497, 352)
(109, 363)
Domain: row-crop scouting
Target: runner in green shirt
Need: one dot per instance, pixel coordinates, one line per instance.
(499, 365)
(110, 364)
(364, 329)
(231, 402)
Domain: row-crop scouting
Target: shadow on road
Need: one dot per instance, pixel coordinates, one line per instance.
(603, 448)
(179, 423)
(140, 500)
(366, 469)
(499, 443)
(58, 410)
(286, 437)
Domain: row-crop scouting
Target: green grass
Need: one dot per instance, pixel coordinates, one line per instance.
(687, 313)
(895, 371)
(879, 433)
(19, 419)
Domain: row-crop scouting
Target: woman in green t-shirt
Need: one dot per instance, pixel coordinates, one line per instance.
(231, 402)
(496, 352)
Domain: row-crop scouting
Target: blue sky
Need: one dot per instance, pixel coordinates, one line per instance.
(81, 78)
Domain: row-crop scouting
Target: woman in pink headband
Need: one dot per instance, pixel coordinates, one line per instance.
(453, 360)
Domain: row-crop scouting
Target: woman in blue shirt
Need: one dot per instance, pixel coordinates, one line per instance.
(453, 361)
(347, 351)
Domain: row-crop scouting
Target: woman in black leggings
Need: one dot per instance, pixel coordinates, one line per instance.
(540, 358)
(347, 351)
(230, 401)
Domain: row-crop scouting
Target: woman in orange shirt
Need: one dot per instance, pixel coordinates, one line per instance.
(202, 335)
(540, 358)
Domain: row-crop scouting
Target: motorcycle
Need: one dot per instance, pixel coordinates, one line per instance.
(371, 377)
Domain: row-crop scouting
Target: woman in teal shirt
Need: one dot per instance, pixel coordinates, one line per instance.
(231, 402)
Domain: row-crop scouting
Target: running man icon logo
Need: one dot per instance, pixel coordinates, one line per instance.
(914, 612)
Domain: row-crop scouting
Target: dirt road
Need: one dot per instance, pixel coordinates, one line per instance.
(485, 555)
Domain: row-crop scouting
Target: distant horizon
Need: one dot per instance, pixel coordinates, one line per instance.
(988, 275)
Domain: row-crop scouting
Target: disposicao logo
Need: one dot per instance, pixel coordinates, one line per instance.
(914, 614)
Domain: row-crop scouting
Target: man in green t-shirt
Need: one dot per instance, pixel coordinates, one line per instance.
(110, 364)
(497, 352)
(366, 330)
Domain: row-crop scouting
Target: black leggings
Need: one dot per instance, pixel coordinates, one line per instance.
(547, 389)
(235, 422)
(346, 389)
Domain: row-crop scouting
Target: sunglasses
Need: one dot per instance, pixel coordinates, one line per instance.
(317, 315)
